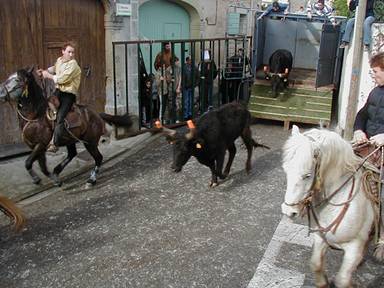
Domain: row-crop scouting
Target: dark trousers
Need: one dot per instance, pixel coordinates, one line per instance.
(66, 102)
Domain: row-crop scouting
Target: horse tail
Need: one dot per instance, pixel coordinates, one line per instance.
(12, 211)
(117, 120)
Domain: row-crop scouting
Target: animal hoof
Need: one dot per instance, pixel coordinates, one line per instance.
(36, 180)
(88, 185)
(91, 182)
(56, 180)
(379, 251)
(213, 184)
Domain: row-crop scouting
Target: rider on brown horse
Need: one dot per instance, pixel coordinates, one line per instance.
(66, 74)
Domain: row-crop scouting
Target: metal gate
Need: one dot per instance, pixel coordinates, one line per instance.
(208, 78)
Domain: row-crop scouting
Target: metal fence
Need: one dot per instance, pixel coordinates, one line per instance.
(183, 83)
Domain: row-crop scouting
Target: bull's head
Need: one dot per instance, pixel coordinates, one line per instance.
(183, 145)
(278, 80)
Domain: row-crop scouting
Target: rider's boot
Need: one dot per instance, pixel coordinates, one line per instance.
(52, 146)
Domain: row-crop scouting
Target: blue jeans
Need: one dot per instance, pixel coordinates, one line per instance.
(188, 103)
(367, 34)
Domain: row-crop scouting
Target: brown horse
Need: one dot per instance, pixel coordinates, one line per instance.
(12, 211)
(23, 91)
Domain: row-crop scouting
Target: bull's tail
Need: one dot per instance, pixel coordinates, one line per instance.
(12, 211)
(117, 120)
(255, 144)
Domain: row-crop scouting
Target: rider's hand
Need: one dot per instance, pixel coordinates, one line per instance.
(46, 74)
(378, 139)
(359, 137)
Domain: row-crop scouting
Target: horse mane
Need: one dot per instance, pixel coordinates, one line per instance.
(36, 101)
(336, 154)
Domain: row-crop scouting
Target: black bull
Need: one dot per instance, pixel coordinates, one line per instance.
(280, 64)
(214, 133)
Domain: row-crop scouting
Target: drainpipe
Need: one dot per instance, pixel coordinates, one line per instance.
(356, 67)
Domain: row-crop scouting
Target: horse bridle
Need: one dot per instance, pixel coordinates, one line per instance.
(315, 186)
(8, 92)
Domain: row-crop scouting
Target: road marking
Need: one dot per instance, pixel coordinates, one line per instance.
(267, 274)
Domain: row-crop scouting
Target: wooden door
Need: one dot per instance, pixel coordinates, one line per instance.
(81, 21)
(33, 32)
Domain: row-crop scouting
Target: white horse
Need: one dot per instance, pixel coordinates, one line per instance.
(325, 177)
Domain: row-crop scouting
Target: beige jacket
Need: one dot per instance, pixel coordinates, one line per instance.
(67, 76)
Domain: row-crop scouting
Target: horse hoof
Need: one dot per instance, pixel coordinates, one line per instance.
(56, 180)
(91, 182)
(213, 184)
(88, 185)
(379, 251)
(36, 180)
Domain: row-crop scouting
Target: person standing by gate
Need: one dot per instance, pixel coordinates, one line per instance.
(208, 73)
(163, 74)
(189, 82)
(66, 74)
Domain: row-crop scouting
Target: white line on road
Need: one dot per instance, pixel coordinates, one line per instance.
(267, 274)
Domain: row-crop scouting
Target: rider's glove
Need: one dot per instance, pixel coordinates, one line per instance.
(359, 137)
(378, 139)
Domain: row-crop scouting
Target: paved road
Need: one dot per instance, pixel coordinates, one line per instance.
(143, 226)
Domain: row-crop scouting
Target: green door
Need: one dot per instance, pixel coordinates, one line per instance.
(158, 20)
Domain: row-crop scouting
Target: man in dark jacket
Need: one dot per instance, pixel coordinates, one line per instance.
(189, 82)
(369, 19)
(208, 73)
(369, 122)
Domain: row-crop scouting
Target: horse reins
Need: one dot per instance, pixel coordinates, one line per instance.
(315, 187)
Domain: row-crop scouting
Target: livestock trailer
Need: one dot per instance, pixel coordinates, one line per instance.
(314, 79)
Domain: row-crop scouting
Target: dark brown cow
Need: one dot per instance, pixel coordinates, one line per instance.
(214, 133)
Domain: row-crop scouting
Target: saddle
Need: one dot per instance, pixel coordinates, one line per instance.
(363, 150)
(74, 116)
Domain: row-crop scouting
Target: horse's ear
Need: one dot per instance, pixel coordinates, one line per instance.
(295, 130)
(30, 69)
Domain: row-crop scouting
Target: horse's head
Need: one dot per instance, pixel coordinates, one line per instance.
(314, 161)
(300, 163)
(16, 86)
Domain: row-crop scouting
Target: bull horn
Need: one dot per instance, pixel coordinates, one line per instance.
(191, 125)
(192, 130)
(286, 71)
(165, 130)
(265, 69)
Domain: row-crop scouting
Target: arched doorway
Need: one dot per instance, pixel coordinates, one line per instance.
(161, 19)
